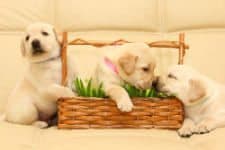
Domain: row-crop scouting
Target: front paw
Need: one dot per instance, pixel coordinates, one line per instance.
(203, 128)
(125, 105)
(40, 124)
(186, 131)
(68, 93)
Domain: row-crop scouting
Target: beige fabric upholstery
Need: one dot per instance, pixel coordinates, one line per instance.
(102, 14)
(16, 15)
(203, 21)
(192, 14)
(18, 137)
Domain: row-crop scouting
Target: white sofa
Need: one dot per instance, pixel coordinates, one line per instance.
(203, 21)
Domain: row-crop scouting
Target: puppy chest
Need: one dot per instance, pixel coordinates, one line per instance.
(48, 74)
(53, 75)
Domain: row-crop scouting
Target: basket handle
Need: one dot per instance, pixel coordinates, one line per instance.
(64, 58)
(180, 44)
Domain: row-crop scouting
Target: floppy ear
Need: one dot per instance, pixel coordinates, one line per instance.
(58, 36)
(127, 62)
(197, 90)
(22, 48)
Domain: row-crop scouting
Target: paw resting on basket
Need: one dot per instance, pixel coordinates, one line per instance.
(125, 105)
(55, 91)
(120, 96)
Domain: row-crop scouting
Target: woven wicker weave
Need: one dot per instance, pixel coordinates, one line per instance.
(84, 113)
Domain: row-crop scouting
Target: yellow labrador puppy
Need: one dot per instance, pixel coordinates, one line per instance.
(132, 63)
(33, 100)
(204, 99)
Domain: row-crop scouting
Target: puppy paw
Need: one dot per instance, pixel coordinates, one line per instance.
(203, 128)
(40, 124)
(187, 129)
(125, 105)
(68, 93)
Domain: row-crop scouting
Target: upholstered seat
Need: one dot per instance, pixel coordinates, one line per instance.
(203, 22)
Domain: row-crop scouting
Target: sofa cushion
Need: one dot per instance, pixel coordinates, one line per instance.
(14, 137)
(16, 15)
(192, 14)
(75, 15)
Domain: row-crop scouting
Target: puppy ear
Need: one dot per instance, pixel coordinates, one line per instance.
(58, 36)
(22, 48)
(127, 62)
(197, 90)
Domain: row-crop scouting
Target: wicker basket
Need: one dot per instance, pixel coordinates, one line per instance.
(84, 113)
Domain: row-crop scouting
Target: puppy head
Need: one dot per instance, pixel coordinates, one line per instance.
(40, 42)
(136, 66)
(184, 83)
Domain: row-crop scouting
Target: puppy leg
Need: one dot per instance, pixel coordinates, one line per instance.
(22, 111)
(40, 124)
(207, 125)
(121, 97)
(55, 91)
(187, 128)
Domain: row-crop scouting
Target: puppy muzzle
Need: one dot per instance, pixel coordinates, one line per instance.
(36, 47)
(144, 85)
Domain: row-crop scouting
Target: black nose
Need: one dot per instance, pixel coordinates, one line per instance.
(36, 45)
(155, 81)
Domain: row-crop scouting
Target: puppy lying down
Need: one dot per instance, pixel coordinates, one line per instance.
(204, 99)
(132, 63)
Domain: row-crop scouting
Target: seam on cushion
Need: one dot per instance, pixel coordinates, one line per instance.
(164, 15)
(51, 19)
(196, 29)
(55, 3)
(158, 15)
(208, 30)
(2, 33)
(161, 16)
(219, 30)
(112, 29)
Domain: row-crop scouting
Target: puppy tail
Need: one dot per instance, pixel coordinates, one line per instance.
(2, 117)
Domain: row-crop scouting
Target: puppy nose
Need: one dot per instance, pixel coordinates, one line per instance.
(159, 83)
(36, 44)
(155, 81)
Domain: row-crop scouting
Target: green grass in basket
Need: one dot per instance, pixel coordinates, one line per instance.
(151, 92)
(86, 89)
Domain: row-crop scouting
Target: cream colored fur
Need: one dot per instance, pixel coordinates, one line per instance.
(135, 64)
(37, 93)
(203, 98)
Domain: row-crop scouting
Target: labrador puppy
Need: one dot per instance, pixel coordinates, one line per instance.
(33, 101)
(203, 98)
(132, 63)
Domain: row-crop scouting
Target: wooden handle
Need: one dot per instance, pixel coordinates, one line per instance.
(64, 59)
(181, 49)
(180, 44)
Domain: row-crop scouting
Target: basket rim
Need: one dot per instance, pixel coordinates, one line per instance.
(133, 98)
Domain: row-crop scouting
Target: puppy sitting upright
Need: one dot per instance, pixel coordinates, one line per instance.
(33, 101)
(204, 99)
(132, 63)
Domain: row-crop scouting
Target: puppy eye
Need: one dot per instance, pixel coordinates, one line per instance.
(27, 38)
(145, 69)
(44, 33)
(172, 76)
